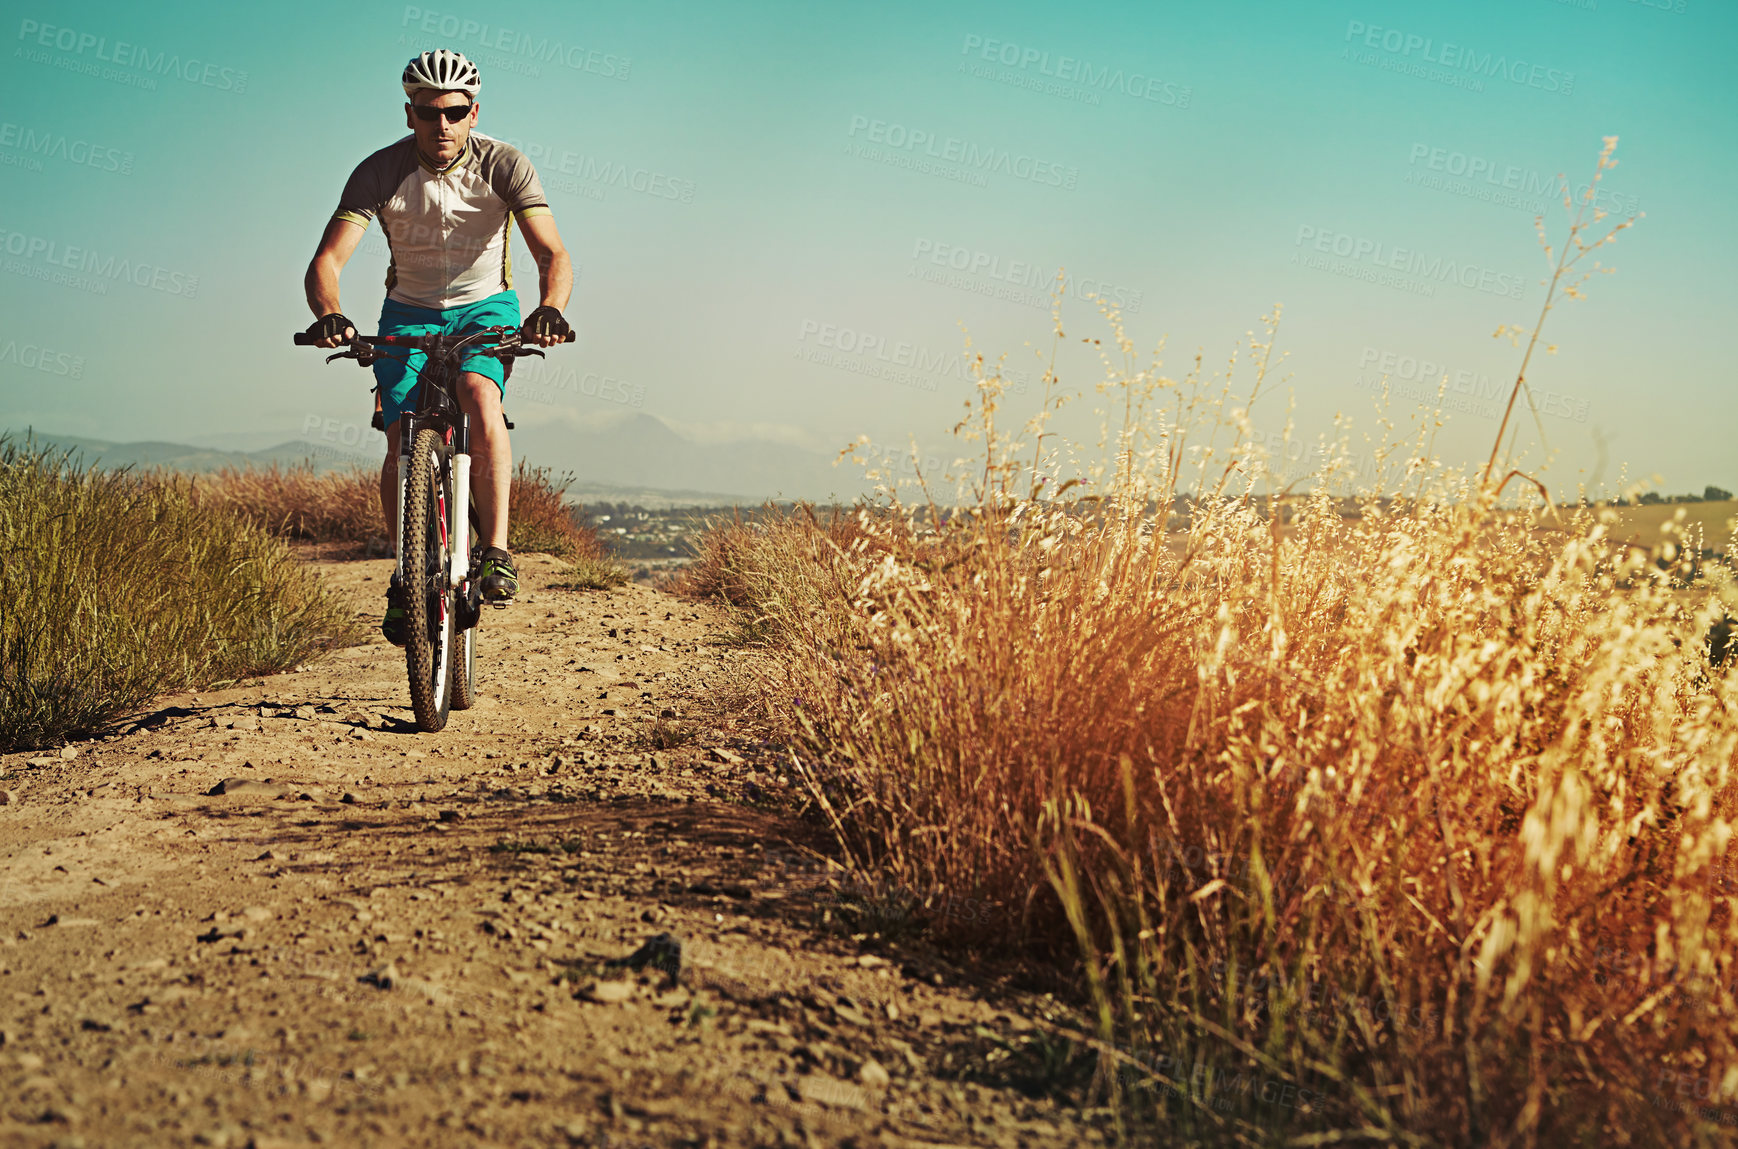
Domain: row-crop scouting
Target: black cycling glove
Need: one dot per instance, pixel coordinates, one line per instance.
(546, 320)
(330, 326)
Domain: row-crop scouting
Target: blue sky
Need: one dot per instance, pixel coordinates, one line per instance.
(743, 188)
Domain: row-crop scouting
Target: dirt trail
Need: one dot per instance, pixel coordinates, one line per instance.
(381, 937)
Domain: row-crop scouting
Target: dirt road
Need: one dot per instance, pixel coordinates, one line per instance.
(373, 936)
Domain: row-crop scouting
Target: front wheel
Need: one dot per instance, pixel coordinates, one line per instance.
(428, 601)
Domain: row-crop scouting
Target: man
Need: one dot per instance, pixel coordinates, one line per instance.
(443, 195)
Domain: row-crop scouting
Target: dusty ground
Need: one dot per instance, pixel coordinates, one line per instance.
(382, 937)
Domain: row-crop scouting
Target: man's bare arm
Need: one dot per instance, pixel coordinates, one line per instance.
(554, 268)
(321, 282)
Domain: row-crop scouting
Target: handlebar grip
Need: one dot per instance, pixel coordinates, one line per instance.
(572, 336)
(303, 339)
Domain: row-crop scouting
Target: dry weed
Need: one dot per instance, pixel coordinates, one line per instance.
(1409, 826)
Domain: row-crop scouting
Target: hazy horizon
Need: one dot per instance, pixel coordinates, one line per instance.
(782, 216)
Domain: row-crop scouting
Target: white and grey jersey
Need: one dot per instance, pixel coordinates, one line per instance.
(447, 229)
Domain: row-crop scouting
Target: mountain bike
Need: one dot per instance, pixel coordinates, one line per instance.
(435, 515)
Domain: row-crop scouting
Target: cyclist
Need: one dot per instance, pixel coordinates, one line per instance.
(444, 195)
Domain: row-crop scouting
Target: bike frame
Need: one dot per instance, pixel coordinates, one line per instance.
(436, 408)
(436, 411)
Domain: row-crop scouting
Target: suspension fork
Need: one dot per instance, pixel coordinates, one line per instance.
(459, 514)
(406, 437)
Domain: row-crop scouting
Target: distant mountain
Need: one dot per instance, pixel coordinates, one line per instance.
(643, 451)
(638, 458)
(175, 456)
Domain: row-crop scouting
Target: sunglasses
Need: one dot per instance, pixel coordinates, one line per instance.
(453, 115)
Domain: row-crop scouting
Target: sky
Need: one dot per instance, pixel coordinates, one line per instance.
(787, 218)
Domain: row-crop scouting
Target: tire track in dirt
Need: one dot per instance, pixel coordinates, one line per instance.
(374, 936)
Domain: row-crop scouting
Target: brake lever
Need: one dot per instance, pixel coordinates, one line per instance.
(529, 351)
(343, 355)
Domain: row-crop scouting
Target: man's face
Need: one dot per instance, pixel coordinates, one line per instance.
(440, 141)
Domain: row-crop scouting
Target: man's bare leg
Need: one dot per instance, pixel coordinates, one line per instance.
(491, 455)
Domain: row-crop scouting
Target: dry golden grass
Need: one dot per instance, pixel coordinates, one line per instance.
(1280, 792)
(117, 587)
(344, 506)
(1411, 827)
(298, 502)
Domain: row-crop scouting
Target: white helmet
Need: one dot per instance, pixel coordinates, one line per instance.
(441, 71)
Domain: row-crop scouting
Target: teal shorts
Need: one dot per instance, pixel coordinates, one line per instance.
(396, 375)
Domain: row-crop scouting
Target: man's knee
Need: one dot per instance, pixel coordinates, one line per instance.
(483, 392)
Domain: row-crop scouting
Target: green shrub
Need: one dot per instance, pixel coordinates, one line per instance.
(116, 587)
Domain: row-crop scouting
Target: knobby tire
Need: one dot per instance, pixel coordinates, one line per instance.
(428, 601)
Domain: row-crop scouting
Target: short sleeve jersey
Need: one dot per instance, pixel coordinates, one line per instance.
(447, 230)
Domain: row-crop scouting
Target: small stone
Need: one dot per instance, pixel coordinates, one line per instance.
(8, 797)
(608, 992)
(257, 914)
(871, 1073)
(243, 787)
(728, 757)
(385, 977)
(855, 1016)
(826, 1090)
(348, 798)
(69, 752)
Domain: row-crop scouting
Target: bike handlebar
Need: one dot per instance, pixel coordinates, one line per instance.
(414, 342)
